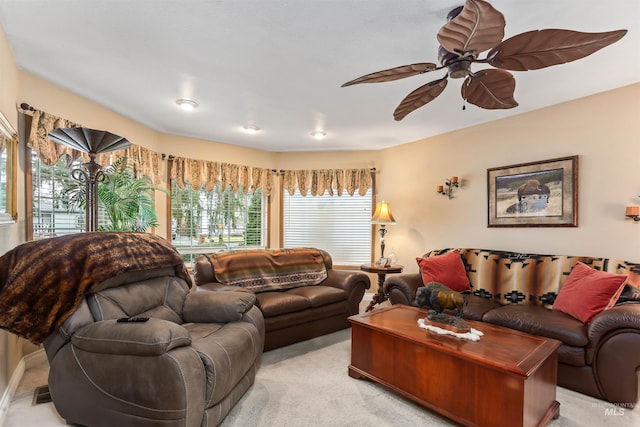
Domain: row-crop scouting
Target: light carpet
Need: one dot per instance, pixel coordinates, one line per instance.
(307, 384)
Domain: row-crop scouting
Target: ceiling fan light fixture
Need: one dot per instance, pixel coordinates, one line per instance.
(186, 104)
(477, 27)
(318, 134)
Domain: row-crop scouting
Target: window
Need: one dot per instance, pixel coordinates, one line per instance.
(3, 180)
(341, 225)
(209, 221)
(51, 213)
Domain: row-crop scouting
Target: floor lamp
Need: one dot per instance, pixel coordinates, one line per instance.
(93, 142)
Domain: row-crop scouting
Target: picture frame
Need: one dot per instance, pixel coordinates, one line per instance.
(535, 194)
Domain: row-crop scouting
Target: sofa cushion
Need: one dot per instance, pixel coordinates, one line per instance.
(275, 303)
(538, 320)
(587, 292)
(477, 306)
(447, 269)
(320, 295)
(570, 355)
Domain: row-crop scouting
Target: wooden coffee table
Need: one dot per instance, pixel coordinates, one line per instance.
(507, 378)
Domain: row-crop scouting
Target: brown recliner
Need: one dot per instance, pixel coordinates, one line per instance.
(186, 366)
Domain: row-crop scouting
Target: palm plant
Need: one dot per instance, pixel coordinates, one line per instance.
(127, 201)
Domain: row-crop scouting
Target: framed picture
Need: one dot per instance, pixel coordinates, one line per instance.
(537, 194)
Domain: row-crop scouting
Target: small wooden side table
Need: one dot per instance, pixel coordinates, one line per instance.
(381, 271)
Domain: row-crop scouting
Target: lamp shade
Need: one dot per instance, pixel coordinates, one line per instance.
(383, 214)
(89, 140)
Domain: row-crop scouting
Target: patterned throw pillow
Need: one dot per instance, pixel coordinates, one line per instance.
(447, 269)
(630, 294)
(587, 292)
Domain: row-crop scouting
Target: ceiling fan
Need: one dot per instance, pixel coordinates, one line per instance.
(474, 28)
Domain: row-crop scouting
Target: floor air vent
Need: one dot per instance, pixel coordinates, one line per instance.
(41, 395)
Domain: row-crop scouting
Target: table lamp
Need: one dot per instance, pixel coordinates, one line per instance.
(383, 217)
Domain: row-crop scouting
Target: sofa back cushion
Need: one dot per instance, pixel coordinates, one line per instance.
(522, 278)
(159, 297)
(263, 270)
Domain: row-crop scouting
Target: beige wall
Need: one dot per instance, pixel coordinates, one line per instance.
(11, 347)
(603, 130)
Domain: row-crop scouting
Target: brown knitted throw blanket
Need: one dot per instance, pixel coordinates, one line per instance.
(42, 282)
(269, 270)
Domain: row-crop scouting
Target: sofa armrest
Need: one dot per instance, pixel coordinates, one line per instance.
(624, 316)
(353, 282)
(614, 352)
(349, 280)
(151, 338)
(216, 307)
(401, 288)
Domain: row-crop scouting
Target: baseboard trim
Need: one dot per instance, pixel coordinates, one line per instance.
(26, 362)
(367, 297)
(10, 391)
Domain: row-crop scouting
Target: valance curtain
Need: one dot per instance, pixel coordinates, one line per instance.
(148, 163)
(316, 182)
(199, 172)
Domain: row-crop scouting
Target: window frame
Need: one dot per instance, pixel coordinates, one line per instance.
(10, 213)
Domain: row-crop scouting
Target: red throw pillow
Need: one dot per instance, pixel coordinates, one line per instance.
(447, 269)
(587, 292)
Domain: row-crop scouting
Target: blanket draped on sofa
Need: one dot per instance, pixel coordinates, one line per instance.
(274, 270)
(43, 281)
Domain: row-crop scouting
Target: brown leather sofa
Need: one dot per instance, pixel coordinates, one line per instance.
(517, 290)
(186, 361)
(299, 312)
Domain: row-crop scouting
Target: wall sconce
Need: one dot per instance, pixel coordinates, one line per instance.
(449, 184)
(633, 212)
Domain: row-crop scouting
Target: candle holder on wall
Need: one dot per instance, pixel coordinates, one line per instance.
(447, 188)
(633, 212)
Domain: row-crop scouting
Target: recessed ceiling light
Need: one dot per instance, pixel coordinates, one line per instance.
(186, 104)
(252, 129)
(318, 134)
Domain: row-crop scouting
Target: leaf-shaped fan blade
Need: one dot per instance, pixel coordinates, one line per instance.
(393, 73)
(491, 89)
(477, 28)
(419, 97)
(543, 48)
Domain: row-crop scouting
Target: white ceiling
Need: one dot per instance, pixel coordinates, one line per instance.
(279, 64)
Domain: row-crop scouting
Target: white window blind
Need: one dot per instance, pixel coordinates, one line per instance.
(341, 225)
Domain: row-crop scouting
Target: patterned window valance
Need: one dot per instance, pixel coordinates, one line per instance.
(316, 182)
(199, 172)
(148, 163)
